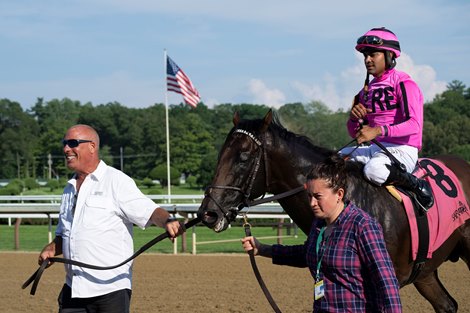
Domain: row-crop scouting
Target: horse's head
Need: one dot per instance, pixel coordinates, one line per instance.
(239, 174)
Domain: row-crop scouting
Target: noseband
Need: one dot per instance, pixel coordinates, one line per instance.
(246, 192)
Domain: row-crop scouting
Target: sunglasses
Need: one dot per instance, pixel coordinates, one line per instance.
(73, 143)
(370, 40)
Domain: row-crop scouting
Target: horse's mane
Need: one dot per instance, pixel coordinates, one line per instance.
(280, 132)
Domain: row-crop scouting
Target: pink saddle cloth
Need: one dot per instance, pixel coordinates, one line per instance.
(450, 209)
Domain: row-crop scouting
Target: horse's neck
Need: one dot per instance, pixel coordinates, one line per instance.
(289, 171)
(289, 166)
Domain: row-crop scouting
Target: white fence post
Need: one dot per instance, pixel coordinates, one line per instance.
(175, 245)
(50, 228)
(194, 240)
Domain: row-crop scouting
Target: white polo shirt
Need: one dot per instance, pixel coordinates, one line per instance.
(100, 231)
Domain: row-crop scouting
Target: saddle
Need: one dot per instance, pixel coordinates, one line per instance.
(450, 210)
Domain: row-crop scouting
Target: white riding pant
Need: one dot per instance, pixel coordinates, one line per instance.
(375, 159)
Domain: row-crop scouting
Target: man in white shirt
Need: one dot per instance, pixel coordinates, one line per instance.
(99, 207)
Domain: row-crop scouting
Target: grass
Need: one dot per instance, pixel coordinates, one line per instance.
(35, 237)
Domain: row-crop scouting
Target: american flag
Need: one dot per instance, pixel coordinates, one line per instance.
(177, 81)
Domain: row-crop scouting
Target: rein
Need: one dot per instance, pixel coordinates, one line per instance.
(37, 275)
(276, 197)
(400, 165)
(251, 253)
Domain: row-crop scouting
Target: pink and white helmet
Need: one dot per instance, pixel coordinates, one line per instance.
(381, 39)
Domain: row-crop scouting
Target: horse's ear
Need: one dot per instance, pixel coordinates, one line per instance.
(236, 118)
(267, 120)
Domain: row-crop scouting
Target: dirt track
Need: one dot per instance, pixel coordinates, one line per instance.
(203, 283)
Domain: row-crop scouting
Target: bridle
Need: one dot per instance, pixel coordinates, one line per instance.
(245, 191)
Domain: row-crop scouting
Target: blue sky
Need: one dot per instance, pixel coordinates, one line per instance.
(261, 52)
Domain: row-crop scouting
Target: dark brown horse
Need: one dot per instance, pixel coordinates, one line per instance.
(261, 156)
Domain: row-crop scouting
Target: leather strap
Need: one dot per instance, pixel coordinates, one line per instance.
(277, 197)
(261, 283)
(423, 241)
(37, 275)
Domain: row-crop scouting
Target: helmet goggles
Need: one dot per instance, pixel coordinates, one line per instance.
(377, 41)
(370, 40)
(380, 39)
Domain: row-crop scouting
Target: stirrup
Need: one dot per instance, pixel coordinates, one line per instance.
(423, 208)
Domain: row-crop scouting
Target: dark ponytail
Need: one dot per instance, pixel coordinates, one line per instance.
(332, 170)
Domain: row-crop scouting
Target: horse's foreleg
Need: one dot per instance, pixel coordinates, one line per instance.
(431, 288)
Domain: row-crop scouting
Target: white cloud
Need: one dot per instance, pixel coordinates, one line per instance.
(211, 102)
(263, 95)
(334, 91)
(424, 75)
(327, 92)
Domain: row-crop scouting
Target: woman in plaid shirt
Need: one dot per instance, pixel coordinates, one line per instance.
(345, 250)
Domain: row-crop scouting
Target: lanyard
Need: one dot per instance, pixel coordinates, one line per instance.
(317, 249)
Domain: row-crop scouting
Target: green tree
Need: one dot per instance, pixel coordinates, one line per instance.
(138, 132)
(31, 183)
(190, 141)
(192, 181)
(207, 169)
(447, 123)
(106, 155)
(160, 173)
(53, 184)
(18, 141)
(316, 121)
(295, 117)
(54, 118)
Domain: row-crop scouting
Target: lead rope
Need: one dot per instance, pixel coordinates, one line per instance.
(261, 283)
(37, 275)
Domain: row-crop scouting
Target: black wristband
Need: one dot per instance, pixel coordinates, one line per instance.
(385, 128)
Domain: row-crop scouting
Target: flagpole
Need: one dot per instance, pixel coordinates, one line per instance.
(167, 129)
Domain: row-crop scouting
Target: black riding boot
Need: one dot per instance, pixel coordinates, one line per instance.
(419, 187)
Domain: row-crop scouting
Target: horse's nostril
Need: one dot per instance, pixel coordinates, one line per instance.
(210, 214)
(209, 217)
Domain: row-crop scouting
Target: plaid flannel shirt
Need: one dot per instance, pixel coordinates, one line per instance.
(356, 269)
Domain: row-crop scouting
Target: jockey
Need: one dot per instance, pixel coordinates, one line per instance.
(388, 110)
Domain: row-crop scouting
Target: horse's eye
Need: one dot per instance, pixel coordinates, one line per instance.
(244, 156)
